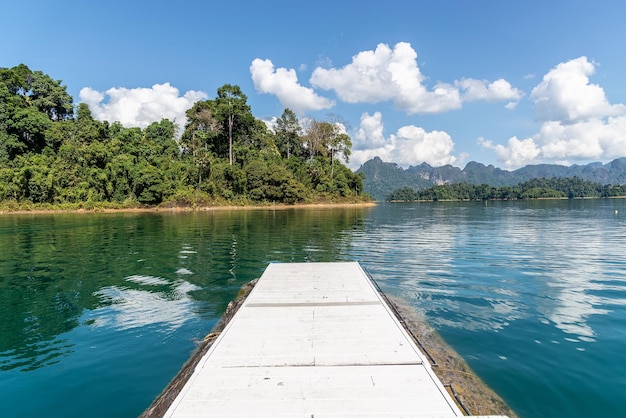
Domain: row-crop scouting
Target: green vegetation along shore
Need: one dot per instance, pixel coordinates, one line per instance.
(55, 156)
(540, 188)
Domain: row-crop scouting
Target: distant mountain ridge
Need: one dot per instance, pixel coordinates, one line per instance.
(382, 178)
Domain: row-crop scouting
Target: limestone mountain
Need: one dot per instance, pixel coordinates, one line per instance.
(381, 178)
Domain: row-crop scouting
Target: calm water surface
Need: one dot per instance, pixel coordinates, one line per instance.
(99, 311)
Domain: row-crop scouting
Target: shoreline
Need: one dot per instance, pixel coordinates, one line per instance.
(184, 209)
(506, 200)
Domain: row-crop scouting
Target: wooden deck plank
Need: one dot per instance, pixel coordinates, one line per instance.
(313, 339)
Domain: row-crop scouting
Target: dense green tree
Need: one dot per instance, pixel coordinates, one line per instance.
(29, 102)
(288, 132)
(147, 183)
(201, 128)
(346, 182)
(87, 129)
(404, 194)
(198, 139)
(17, 79)
(232, 110)
(50, 97)
(30, 126)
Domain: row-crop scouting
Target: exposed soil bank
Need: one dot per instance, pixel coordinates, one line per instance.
(162, 209)
(473, 393)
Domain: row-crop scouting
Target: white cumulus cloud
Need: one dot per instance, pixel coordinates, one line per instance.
(577, 121)
(370, 133)
(387, 74)
(283, 83)
(410, 145)
(483, 90)
(566, 95)
(517, 152)
(382, 75)
(139, 107)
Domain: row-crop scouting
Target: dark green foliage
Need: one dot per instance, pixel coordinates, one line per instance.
(404, 194)
(271, 182)
(48, 156)
(288, 133)
(538, 188)
(29, 102)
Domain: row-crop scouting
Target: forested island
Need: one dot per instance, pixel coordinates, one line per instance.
(539, 188)
(54, 154)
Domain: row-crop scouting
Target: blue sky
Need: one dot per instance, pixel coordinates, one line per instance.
(507, 83)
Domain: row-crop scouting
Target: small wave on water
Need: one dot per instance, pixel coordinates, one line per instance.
(185, 251)
(147, 280)
(35, 355)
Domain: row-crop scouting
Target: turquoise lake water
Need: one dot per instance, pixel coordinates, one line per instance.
(99, 311)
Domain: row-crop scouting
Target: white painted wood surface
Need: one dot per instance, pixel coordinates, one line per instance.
(314, 340)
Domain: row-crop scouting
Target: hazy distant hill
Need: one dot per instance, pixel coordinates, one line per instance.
(382, 178)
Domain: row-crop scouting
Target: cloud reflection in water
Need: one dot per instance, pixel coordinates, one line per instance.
(158, 301)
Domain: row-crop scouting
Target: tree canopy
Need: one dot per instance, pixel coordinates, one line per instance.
(539, 188)
(51, 154)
